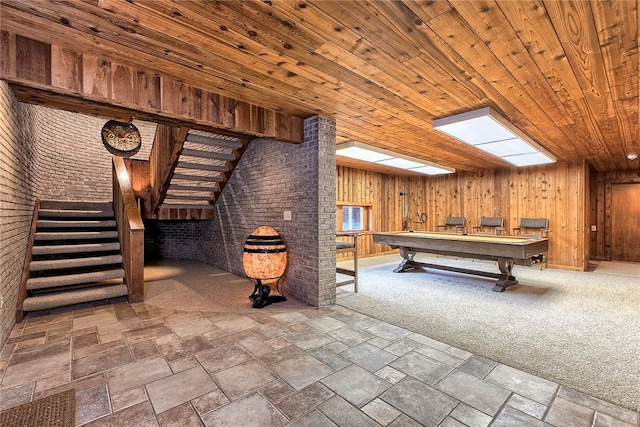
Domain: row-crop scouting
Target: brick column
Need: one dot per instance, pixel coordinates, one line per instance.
(273, 177)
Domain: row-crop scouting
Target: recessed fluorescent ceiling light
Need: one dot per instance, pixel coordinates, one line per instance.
(488, 131)
(367, 153)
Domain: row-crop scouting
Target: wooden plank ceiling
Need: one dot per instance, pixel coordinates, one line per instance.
(566, 73)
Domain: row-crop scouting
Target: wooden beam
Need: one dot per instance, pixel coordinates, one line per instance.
(59, 77)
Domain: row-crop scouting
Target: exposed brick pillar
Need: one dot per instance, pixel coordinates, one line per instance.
(272, 178)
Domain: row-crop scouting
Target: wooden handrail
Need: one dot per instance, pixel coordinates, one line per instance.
(130, 230)
(22, 292)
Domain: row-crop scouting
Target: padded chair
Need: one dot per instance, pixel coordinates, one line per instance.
(489, 225)
(348, 246)
(453, 224)
(536, 228)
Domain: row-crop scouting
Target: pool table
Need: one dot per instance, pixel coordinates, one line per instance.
(505, 250)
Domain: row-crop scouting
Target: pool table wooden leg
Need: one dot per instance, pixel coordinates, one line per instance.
(506, 267)
(407, 262)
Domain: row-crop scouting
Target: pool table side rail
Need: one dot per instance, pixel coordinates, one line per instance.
(519, 249)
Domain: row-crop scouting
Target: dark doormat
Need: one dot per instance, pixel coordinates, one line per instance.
(57, 410)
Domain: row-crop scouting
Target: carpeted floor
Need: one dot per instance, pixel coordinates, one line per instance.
(580, 329)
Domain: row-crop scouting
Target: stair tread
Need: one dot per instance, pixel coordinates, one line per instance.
(189, 197)
(76, 296)
(73, 279)
(186, 206)
(75, 262)
(75, 235)
(74, 213)
(199, 166)
(87, 247)
(211, 140)
(50, 223)
(205, 178)
(102, 205)
(208, 154)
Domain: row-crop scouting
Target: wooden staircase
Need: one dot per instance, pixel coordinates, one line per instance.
(75, 256)
(199, 165)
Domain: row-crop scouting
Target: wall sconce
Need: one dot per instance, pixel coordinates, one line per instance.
(632, 156)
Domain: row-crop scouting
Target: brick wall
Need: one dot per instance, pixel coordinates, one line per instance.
(19, 180)
(273, 177)
(78, 164)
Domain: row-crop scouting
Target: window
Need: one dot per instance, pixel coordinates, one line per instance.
(354, 217)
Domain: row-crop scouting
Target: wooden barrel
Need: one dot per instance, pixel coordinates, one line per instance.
(264, 256)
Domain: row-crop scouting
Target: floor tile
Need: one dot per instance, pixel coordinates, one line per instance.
(528, 406)
(381, 411)
(14, 396)
(102, 318)
(390, 374)
(309, 339)
(236, 325)
(36, 369)
(148, 332)
(301, 370)
(100, 362)
(179, 388)
(356, 385)
(473, 391)
(250, 411)
(173, 347)
(510, 417)
(92, 404)
(325, 324)
(420, 401)
(344, 414)
(144, 350)
(46, 350)
(219, 358)
(388, 331)
(604, 420)
(290, 317)
(599, 405)
(276, 390)
(137, 374)
(312, 419)
(243, 378)
(210, 401)
(440, 356)
(566, 413)
(368, 356)
(142, 413)
(470, 416)
(180, 416)
(128, 398)
(305, 400)
(402, 347)
(477, 366)
(421, 367)
(404, 421)
(350, 336)
(329, 358)
(527, 385)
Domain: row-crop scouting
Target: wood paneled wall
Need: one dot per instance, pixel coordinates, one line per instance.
(558, 191)
(600, 209)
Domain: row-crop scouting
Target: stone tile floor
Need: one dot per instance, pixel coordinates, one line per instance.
(138, 365)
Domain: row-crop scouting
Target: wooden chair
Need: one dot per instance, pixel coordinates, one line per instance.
(494, 224)
(350, 246)
(459, 224)
(536, 228)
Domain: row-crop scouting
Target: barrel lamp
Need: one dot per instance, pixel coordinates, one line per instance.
(264, 259)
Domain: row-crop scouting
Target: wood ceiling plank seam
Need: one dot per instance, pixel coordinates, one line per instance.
(344, 72)
(380, 44)
(614, 21)
(493, 29)
(535, 29)
(574, 24)
(378, 76)
(527, 115)
(615, 24)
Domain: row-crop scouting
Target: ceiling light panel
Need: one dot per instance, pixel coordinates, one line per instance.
(488, 131)
(368, 153)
